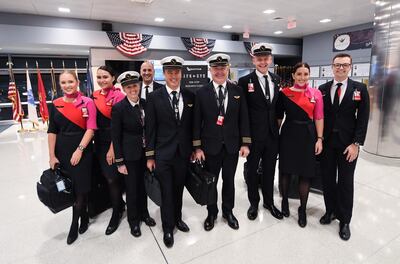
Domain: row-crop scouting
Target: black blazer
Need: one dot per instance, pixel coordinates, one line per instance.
(127, 131)
(164, 135)
(351, 119)
(156, 85)
(235, 131)
(262, 115)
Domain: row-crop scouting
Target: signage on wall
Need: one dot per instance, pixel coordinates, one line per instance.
(194, 77)
(361, 39)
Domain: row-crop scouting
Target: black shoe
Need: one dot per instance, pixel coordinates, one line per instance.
(327, 218)
(252, 213)
(182, 226)
(209, 222)
(114, 223)
(232, 221)
(149, 221)
(302, 221)
(135, 230)
(344, 231)
(168, 239)
(274, 211)
(73, 233)
(84, 223)
(285, 208)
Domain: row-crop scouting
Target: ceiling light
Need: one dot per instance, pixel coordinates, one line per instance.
(380, 3)
(325, 20)
(64, 10)
(227, 27)
(159, 19)
(278, 32)
(269, 11)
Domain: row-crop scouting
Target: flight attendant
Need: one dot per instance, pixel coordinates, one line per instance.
(301, 136)
(104, 99)
(71, 129)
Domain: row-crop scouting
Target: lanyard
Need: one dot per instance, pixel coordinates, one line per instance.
(222, 106)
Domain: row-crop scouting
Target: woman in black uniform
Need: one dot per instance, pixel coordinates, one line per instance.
(71, 128)
(104, 99)
(301, 136)
(127, 125)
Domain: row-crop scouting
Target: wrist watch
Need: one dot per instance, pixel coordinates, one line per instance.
(357, 144)
(322, 138)
(81, 148)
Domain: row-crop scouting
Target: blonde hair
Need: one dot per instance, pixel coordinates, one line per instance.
(72, 72)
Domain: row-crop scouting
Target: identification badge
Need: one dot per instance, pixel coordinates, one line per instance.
(60, 186)
(109, 103)
(250, 87)
(85, 112)
(220, 120)
(312, 100)
(357, 96)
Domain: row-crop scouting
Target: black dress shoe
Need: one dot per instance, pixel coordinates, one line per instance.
(302, 221)
(149, 221)
(209, 222)
(84, 223)
(73, 233)
(274, 211)
(168, 239)
(182, 226)
(285, 208)
(232, 221)
(327, 218)
(114, 223)
(252, 213)
(135, 230)
(344, 231)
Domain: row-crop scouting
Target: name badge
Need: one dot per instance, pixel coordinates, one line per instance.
(109, 103)
(357, 96)
(60, 186)
(85, 112)
(220, 120)
(312, 100)
(250, 88)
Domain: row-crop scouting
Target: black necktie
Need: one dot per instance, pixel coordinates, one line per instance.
(139, 113)
(221, 99)
(175, 104)
(147, 91)
(267, 93)
(337, 95)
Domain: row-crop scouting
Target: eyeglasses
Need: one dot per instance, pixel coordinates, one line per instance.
(344, 65)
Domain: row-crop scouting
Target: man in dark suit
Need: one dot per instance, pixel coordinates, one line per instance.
(346, 113)
(169, 113)
(220, 133)
(148, 83)
(261, 88)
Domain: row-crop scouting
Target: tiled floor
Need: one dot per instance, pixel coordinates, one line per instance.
(30, 233)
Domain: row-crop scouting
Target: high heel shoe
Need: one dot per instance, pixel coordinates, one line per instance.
(302, 221)
(73, 233)
(285, 208)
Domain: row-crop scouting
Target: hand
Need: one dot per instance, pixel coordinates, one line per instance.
(53, 161)
(123, 170)
(244, 151)
(352, 152)
(199, 155)
(110, 157)
(193, 156)
(76, 157)
(318, 147)
(151, 164)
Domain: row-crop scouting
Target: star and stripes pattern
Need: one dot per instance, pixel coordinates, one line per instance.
(199, 47)
(130, 44)
(248, 46)
(13, 95)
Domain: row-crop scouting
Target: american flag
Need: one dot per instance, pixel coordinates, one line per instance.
(13, 95)
(130, 44)
(199, 47)
(248, 46)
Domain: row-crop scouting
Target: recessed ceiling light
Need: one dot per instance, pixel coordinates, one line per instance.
(159, 19)
(278, 32)
(227, 26)
(269, 11)
(64, 10)
(380, 3)
(325, 20)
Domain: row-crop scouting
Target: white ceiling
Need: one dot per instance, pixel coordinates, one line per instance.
(211, 15)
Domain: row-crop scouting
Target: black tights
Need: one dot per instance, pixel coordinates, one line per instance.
(115, 194)
(79, 210)
(304, 188)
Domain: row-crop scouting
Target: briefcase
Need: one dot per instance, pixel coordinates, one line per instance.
(201, 184)
(55, 190)
(153, 188)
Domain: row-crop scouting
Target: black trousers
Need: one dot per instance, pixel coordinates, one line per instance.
(337, 179)
(171, 175)
(136, 197)
(227, 162)
(266, 150)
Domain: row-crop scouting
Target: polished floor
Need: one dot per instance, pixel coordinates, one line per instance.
(30, 233)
